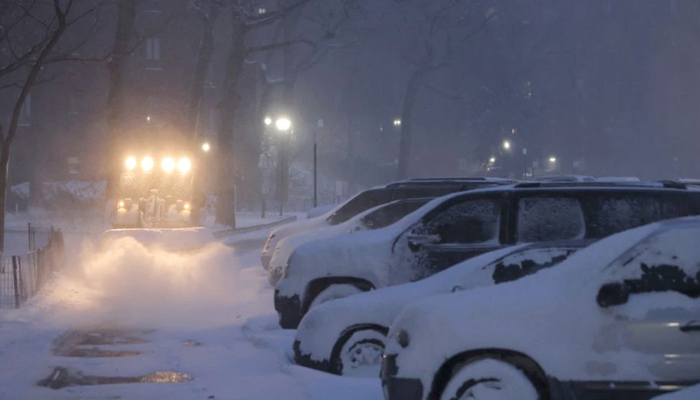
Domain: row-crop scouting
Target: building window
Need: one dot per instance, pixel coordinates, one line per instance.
(25, 114)
(153, 49)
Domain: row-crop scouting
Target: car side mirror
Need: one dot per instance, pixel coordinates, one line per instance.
(415, 242)
(612, 294)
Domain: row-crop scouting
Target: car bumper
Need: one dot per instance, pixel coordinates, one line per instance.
(289, 310)
(398, 388)
(265, 260)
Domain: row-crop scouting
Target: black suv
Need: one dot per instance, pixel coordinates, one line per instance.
(456, 227)
(407, 189)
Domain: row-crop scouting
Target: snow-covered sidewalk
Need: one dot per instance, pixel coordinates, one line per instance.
(217, 297)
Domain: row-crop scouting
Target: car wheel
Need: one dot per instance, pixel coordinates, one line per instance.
(361, 354)
(334, 292)
(490, 379)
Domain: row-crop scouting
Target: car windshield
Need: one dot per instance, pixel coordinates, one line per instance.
(362, 202)
(391, 213)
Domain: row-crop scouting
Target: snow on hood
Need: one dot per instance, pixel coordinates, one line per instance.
(534, 315)
(320, 210)
(323, 325)
(691, 393)
(291, 229)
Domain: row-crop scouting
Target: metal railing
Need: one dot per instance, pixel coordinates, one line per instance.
(22, 277)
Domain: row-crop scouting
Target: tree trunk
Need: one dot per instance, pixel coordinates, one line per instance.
(226, 201)
(4, 169)
(407, 123)
(206, 50)
(126, 15)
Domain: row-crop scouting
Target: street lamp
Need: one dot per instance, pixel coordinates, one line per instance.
(492, 160)
(283, 124)
(268, 121)
(397, 122)
(206, 147)
(506, 144)
(552, 160)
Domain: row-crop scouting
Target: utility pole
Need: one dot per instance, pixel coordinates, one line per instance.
(320, 125)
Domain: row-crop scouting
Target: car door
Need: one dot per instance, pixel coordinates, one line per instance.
(653, 310)
(458, 232)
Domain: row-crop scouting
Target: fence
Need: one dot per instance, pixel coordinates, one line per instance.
(21, 277)
(230, 232)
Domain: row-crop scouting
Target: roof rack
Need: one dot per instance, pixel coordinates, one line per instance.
(642, 184)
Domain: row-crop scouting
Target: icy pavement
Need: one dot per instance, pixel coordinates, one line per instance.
(207, 315)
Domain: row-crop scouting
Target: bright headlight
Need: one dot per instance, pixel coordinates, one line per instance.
(130, 163)
(184, 165)
(186, 206)
(120, 204)
(168, 165)
(147, 164)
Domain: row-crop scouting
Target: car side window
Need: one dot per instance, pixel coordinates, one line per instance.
(473, 221)
(517, 265)
(362, 202)
(615, 212)
(542, 219)
(667, 261)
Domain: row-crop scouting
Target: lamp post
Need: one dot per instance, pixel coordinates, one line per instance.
(320, 125)
(283, 125)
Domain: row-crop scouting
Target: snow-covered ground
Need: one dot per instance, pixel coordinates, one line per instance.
(217, 297)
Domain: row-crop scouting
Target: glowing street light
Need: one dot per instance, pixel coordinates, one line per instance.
(206, 147)
(268, 121)
(397, 122)
(168, 165)
(492, 160)
(506, 144)
(283, 124)
(552, 160)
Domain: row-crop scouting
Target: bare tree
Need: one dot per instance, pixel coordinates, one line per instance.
(436, 30)
(30, 40)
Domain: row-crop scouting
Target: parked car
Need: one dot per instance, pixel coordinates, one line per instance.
(456, 227)
(347, 336)
(374, 218)
(618, 320)
(411, 188)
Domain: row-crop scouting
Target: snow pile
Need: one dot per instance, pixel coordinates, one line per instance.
(185, 239)
(148, 286)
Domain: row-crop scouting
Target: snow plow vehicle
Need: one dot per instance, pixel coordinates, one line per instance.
(156, 192)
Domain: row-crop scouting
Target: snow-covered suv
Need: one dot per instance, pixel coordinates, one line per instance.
(412, 188)
(618, 320)
(347, 336)
(456, 227)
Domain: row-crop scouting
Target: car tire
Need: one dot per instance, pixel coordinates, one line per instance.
(360, 353)
(490, 379)
(334, 292)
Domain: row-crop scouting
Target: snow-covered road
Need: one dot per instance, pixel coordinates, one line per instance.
(217, 297)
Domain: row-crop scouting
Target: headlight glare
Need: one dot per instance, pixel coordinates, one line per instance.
(184, 165)
(168, 165)
(147, 164)
(130, 163)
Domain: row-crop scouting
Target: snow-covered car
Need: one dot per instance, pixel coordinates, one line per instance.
(374, 218)
(618, 320)
(347, 336)
(460, 226)
(691, 393)
(411, 188)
